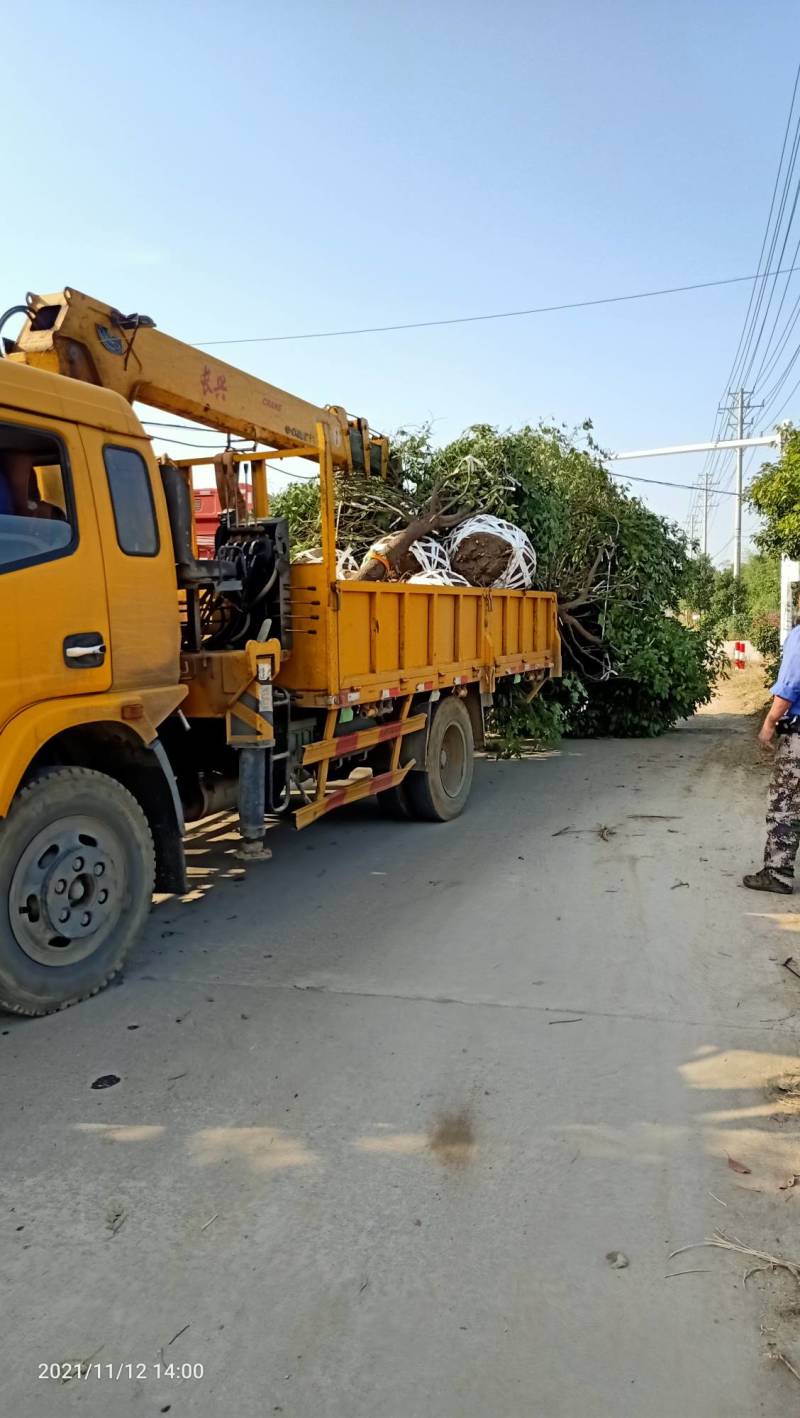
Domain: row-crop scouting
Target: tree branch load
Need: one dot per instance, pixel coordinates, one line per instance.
(390, 558)
(619, 570)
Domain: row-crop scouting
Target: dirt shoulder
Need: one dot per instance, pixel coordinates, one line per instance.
(740, 692)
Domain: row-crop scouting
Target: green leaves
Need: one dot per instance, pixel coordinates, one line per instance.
(775, 494)
(517, 727)
(620, 571)
(667, 670)
(299, 502)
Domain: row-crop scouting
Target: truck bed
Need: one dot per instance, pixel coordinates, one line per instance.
(359, 641)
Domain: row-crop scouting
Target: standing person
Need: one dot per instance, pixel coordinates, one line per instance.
(780, 732)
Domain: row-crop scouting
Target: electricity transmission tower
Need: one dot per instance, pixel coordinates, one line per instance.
(738, 412)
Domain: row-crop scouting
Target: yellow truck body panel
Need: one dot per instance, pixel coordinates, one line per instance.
(361, 640)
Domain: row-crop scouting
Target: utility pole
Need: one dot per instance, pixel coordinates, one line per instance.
(716, 445)
(737, 502)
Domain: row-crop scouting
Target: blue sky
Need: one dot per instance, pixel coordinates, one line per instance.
(271, 168)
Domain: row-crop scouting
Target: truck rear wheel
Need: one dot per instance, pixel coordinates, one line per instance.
(77, 869)
(393, 803)
(440, 793)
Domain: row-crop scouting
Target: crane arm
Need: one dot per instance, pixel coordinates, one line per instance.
(72, 334)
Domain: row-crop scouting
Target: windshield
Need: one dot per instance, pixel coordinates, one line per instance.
(34, 520)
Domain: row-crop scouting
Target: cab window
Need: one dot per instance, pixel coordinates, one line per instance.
(132, 501)
(37, 520)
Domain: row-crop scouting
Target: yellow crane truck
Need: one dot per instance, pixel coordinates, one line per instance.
(141, 688)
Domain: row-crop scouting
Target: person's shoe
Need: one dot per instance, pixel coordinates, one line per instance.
(764, 880)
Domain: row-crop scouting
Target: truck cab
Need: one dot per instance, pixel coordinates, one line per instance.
(90, 667)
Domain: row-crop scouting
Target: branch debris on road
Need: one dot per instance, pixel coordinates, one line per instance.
(731, 1243)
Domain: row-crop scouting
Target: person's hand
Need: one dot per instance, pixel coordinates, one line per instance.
(766, 734)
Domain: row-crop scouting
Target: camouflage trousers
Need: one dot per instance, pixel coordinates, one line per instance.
(783, 809)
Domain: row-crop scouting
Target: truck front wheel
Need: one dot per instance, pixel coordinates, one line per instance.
(77, 868)
(440, 793)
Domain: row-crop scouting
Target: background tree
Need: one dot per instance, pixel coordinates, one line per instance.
(699, 586)
(775, 494)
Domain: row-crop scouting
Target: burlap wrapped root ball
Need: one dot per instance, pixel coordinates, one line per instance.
(432, 564)
(487, 551)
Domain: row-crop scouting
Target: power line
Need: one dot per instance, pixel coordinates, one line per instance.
(501, 314)
(772, 396)
(661, 482)
(746, 373)
(745, 349)
(712, 477)
(182, 443)
(723, 548)
(310, 477)
(187, 428)
(730, 377)
(713, 469)
(721, 491)
(627, 477)
(742, 371)
(772, 353)
(788, 401)
(771, 358)
(209, 448)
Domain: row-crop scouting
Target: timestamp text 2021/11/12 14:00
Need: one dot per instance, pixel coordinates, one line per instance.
(118, 1372)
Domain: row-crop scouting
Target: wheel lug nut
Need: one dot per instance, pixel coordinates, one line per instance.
(99, 868)
(61, 886)
(77, 865)
(63, 916)
(102, 896)
(86, 918)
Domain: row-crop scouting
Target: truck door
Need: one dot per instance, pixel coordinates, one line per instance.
(138, 558)
(54, 630)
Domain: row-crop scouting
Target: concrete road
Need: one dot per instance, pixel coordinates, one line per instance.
(387, 1106)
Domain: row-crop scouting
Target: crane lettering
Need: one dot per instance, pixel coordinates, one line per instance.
(213, 387)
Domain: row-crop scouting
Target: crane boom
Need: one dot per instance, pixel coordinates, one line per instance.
(71, 333)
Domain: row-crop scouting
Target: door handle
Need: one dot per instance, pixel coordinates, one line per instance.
(86, 651)
(81, 652)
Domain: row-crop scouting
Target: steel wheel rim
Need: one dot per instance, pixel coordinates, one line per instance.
(68, 890)
(453, 760)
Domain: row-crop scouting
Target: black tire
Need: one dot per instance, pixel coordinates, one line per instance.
(440, 793)
(393, 803)
(77, 869)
